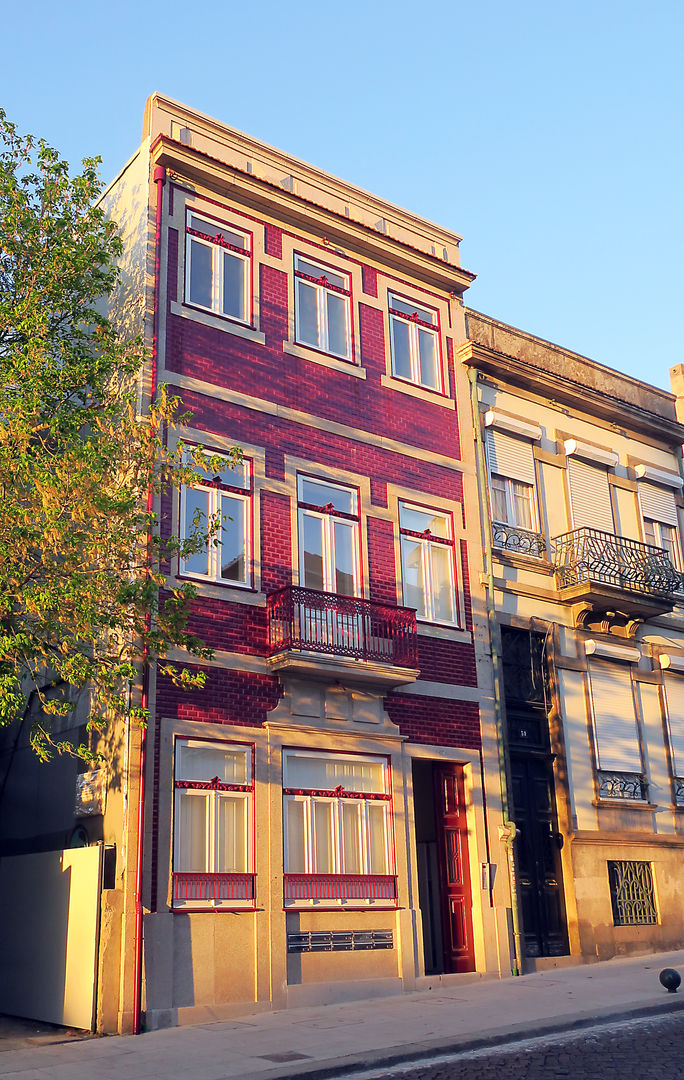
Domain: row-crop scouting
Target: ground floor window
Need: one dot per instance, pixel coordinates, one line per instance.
(338, 842)
(213, 825)
(631, 893)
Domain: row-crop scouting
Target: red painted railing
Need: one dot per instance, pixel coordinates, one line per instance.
(340, 887)
(341, 626)
(197, 887)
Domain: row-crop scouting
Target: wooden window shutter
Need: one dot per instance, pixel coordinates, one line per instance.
(674, 695)
(615, 726)
(590, 494)
(510, 457)
(658, 503)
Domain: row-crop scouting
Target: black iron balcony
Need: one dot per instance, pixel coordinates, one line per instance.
(521, 541)
(335, 632)
(602, 568)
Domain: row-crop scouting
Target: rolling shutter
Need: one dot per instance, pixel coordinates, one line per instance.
(658, 504)
(510, 457)
(615, 726)
(590, 494)
(674, 695)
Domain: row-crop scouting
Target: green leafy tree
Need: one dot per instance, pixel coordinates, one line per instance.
(82, 600)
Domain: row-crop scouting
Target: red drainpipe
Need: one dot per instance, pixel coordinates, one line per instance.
(160, 180)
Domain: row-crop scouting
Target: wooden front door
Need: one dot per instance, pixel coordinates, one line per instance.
(452, 846)
(540, 877)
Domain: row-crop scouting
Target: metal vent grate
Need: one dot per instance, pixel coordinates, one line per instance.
(339, 941)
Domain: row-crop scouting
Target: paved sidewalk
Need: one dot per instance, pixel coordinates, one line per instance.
(328, 1039)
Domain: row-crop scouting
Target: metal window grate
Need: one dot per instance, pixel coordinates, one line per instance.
(631, 893)
(679, 790)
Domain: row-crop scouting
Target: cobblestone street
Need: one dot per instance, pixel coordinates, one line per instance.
(630, 1050)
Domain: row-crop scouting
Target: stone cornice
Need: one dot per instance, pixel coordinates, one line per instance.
(199, 167)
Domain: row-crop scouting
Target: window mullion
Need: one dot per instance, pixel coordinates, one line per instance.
(322, 320)
(414, 351)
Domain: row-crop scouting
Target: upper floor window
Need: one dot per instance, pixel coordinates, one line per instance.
(414, 335)
(322, 308)
(223, 498)
(427, 563)
(213, 846)
(660, 517)
(217, 268)
(512, 491)
(328, 537)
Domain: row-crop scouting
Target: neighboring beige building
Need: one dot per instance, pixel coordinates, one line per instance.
(581, 482)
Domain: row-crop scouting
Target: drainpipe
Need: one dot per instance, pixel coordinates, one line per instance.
(160, 180)
(508, 831)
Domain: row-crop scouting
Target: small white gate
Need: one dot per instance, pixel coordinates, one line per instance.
(49, 924)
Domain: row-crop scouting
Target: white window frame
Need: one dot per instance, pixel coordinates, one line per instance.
(413, 324)
(311, 797)
(212, 797)
(426, 545)
(218, 494)
(322, 288)
(675, 551)
(243, 255)
(328, 519)
(511, 505)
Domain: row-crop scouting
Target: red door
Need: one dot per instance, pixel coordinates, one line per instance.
(452, 843)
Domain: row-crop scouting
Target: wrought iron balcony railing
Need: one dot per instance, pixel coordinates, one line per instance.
(347, 626)
(593, 556)
(622, 785)
(521, 541)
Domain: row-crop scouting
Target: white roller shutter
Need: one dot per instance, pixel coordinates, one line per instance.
(674, 695)
(510, 457)
(590, 494)
(658, 503)
(615, 726)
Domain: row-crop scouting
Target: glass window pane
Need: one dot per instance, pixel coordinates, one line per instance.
(312, 551)
(323, 847)
(191, 832)
(196, 516)
(522, 499)
(409, 308)
(200, 273)
(650, 532)
(318, 272)
(233, 286)
(320, 494)
(307, 314)
(412, 575)
(294, 830)
(377, 842)
(351, 837)
(325, 773)
(231, 765)
(499, 503)
(427, 355)
(232, 549)
(336, 307)
(215, 228)
(442, 586)
(420, 520)
(232, 837)
(401, 349)
(344, 535)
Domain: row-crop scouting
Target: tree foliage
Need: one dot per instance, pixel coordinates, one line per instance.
(82, 606)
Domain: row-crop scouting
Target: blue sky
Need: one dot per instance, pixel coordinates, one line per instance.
(550, 135)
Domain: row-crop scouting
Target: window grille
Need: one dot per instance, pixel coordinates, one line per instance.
(631, 893)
